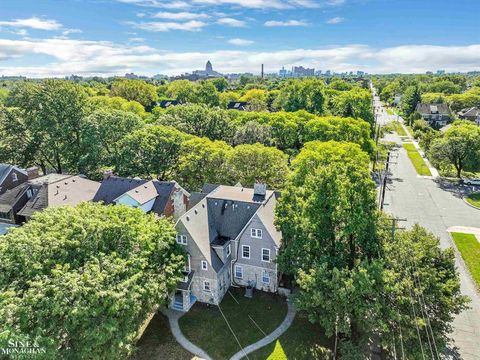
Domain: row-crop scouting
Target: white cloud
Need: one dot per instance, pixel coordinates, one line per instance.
(180, 16)
(158, 3)
(240, 42)
(273, 23)
(63, 56)
(71, 31)
(136, 39)
(335, 20)
(231, 22)
(33, 23)
(159, 26)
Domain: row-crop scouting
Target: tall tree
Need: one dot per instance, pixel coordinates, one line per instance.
(135, 90)
(47, 125)
(249, 163)
(410, 98)
(459, 147)
(150, 152)
(80, 281)
(206, 93)
(302, 95)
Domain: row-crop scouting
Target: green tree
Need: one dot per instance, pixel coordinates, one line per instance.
(356, 103)
(150, 152)
(206, 93)
(47, 126)
(199, 120)
(253, 132)
(202, 161)
(459, 147)
(249, 163)
(257, 99)
(302, 95)
(182, 90)
(327, 215)
(220, 83)
(410, 98)
(81, 281)
(135, 90)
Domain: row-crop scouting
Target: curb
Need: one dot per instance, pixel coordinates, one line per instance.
(466, 202)
(458, 255)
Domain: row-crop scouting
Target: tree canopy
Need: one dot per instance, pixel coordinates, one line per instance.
(89, 279)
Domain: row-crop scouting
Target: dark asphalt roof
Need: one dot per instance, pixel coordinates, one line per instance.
(10, 197)
(114, 186)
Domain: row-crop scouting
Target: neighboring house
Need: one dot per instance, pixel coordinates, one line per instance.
(11, 176)
(231, 239)
(472, 114)
(238, 105)
(437, 115)
(167, 103)
(19, 204)
(164, 198)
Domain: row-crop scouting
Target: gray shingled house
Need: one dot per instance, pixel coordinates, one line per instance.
(437, 115)
(231, 239)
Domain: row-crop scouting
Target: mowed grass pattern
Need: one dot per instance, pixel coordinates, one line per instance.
(474, 199)
(417, 160)
(205, 326)
(469, 247)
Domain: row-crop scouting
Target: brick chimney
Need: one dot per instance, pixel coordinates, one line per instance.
(33, 172)
(259, 189)
(107, 174)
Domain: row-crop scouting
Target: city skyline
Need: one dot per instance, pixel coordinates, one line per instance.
(148, 37)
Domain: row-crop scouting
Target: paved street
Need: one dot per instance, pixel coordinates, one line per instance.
(437, 205)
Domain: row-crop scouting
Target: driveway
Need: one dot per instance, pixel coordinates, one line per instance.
(437, 205)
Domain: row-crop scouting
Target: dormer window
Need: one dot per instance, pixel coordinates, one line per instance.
(14, 177)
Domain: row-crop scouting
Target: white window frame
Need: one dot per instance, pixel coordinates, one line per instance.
(206, 285)
(229, 249)
(267, 277)
(182, 239)
(204, 265)
(238, 267)
(249, 254)
(256, 233)
(269, 255)
(14, 177)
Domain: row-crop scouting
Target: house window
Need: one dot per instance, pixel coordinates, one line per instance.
(266, 277)
(256, 233)
(229, 250)
(238, 271)
(29, 193)
(204, 265)
(14, 177)
(265, 255)
(245, 251)
(182, 239)
(206, 285)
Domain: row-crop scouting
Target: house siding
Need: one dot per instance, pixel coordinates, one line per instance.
(253, 268)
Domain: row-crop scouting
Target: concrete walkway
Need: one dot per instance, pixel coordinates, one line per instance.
(274, 335)
(173, 317)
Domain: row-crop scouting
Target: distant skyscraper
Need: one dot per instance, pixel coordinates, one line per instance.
(283, 72)
(300, 71)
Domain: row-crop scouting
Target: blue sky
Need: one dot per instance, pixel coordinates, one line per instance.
(110, 37)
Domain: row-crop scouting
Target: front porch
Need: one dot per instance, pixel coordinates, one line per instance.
(182, 299)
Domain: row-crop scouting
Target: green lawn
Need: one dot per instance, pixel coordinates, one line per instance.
(474, 199)
(417, 160)
(302, 341)
(205, 326)
(158, 343)
(469, 247)
(397, 127)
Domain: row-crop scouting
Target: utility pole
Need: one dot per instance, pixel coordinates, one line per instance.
(384, 183)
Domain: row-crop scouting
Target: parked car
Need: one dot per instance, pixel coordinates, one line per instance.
(475, 182)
